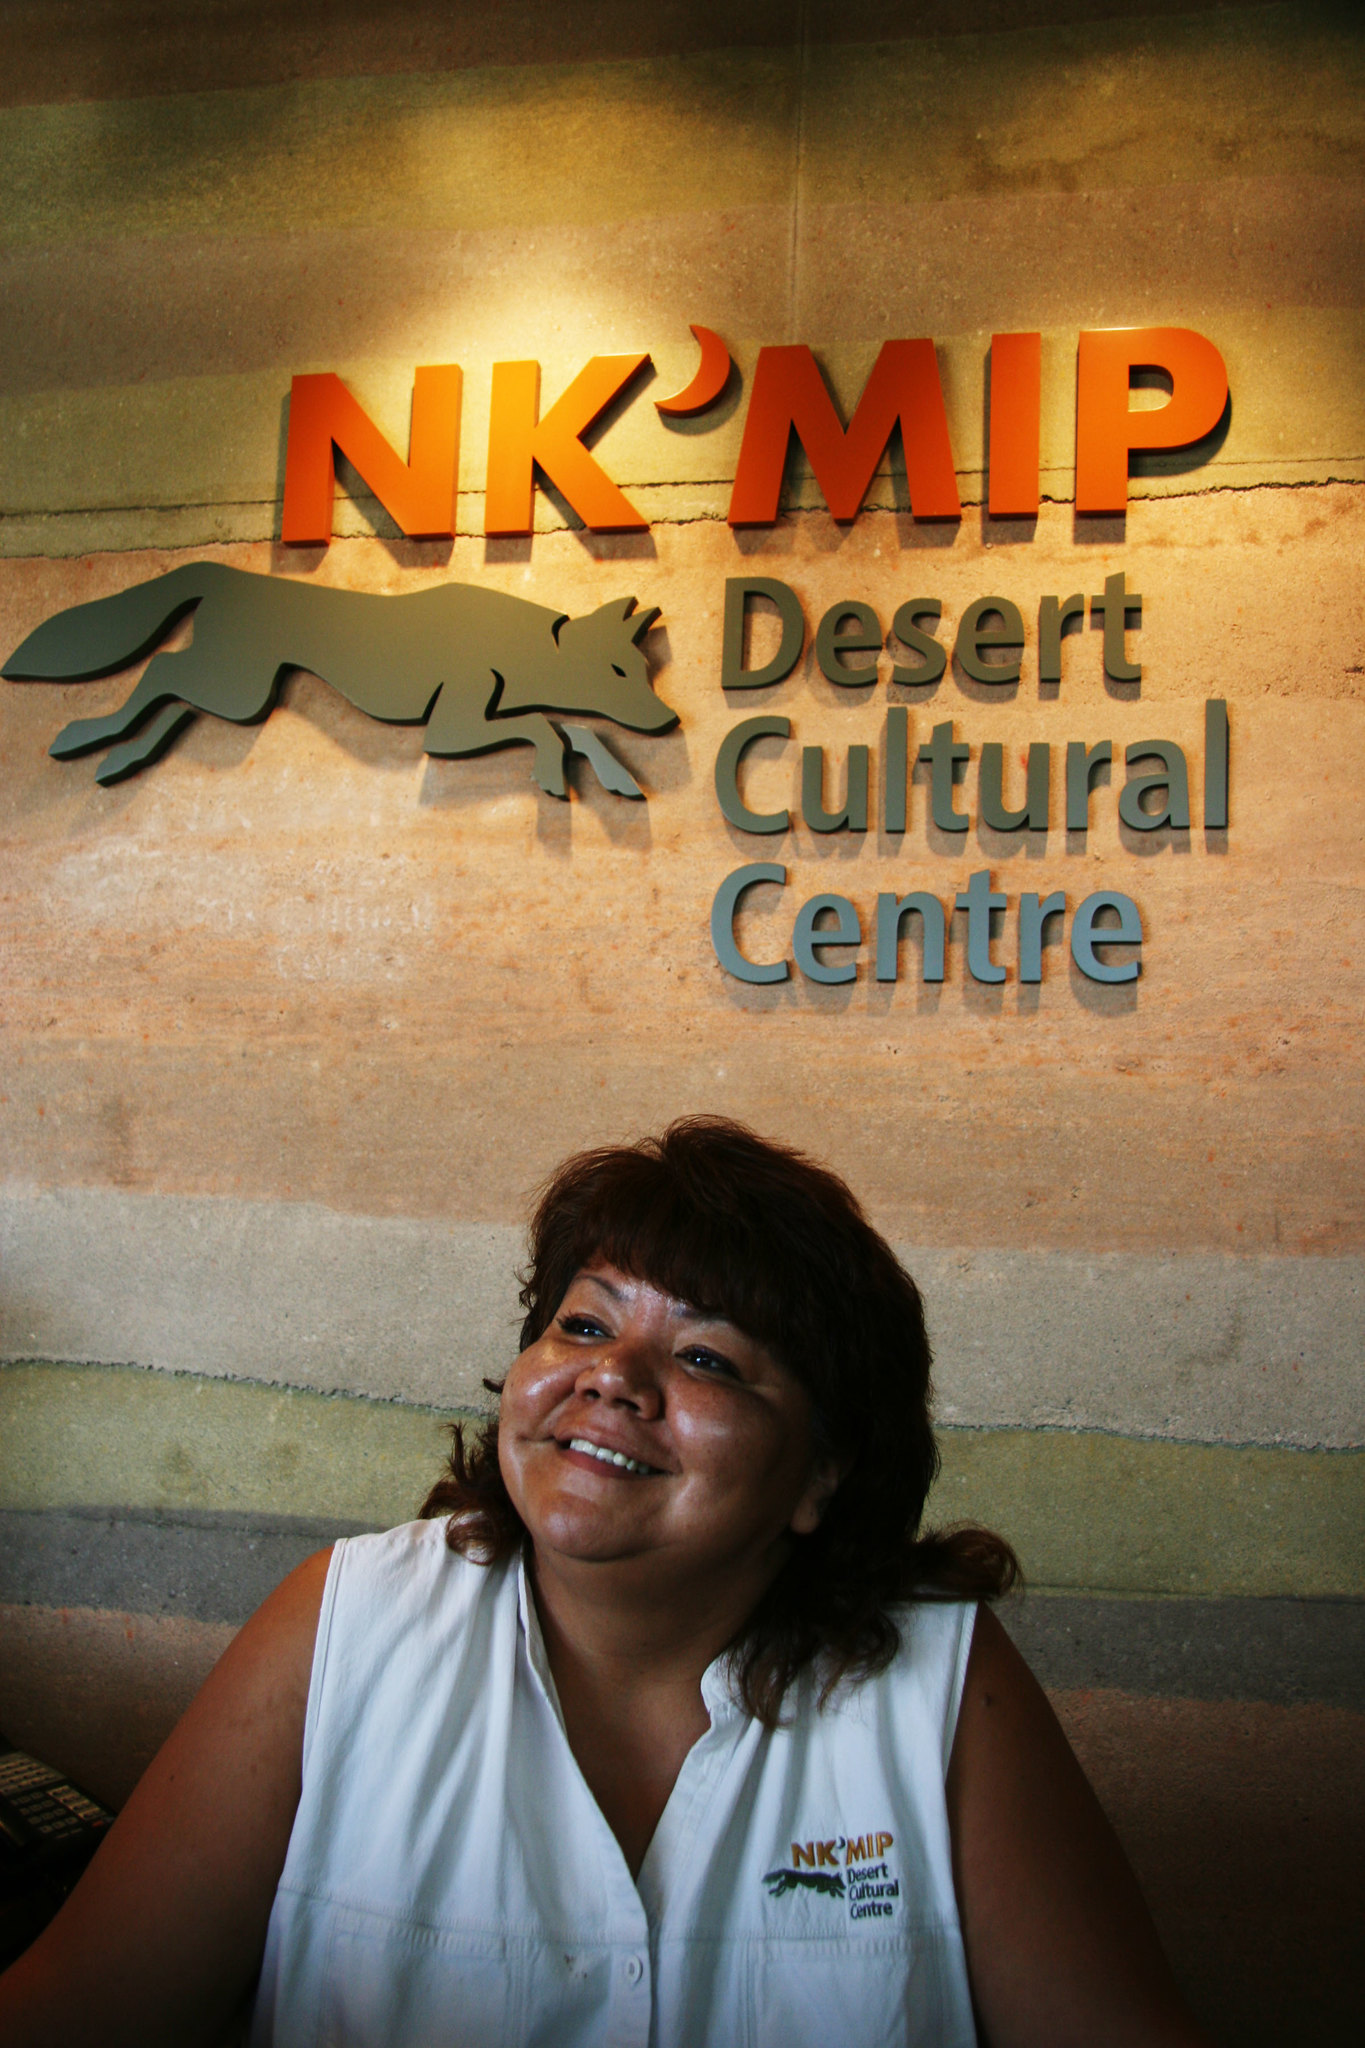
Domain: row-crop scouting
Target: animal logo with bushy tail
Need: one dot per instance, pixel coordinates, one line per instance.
(481, 669)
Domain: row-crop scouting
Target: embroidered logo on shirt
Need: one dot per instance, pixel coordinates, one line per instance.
(849, 1867)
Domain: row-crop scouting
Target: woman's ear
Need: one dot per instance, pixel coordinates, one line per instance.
(827, 1477)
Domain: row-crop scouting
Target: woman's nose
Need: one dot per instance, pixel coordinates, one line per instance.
(624, 1371)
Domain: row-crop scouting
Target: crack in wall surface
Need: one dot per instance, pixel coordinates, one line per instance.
(268, 531)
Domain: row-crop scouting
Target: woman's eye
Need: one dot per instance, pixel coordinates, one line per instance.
(710, 1361)
(581, 1326)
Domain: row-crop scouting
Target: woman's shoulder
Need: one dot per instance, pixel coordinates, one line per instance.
(410, 1551)
(402, 1544)
(407, 1581)
(405, 1619)
(921, 1684)
(933, 1631)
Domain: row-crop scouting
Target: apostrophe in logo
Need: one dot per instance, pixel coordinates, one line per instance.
(479, 667)
(849, 1867)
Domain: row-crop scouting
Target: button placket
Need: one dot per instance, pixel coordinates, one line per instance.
(632, 2002)
(629, 2013)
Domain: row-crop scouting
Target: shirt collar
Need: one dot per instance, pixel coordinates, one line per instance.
(536, 1653)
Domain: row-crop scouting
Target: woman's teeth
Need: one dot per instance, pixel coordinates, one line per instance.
(617, 1458)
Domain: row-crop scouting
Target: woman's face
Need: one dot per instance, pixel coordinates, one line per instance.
(638, 1428)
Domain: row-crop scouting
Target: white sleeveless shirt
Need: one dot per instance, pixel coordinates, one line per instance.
(451, 1881)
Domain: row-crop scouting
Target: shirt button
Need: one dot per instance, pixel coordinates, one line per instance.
(634, 1969)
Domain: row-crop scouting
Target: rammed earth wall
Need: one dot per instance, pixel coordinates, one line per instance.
(295, 1019)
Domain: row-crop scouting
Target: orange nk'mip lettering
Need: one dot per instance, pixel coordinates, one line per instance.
(419, 493)
(1107, 427)
(520, 442)
(790, 396)
(867, 1848)
(1016, 401)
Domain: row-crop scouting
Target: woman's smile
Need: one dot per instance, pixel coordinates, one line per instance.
(614, 1461)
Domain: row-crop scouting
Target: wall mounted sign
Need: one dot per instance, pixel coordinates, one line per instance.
(483, 669)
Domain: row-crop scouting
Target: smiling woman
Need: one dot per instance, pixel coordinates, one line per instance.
(665, 1725)
(773, 1310)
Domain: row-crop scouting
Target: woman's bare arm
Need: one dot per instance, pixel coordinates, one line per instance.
(1060, 1945)
(162, 1937)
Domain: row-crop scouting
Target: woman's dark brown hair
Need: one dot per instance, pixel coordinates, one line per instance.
(751, 1230)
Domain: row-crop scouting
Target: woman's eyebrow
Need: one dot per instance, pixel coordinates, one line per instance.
(597, 1281)
(689, 1312)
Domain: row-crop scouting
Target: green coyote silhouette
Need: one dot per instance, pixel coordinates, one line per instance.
(479, 667)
